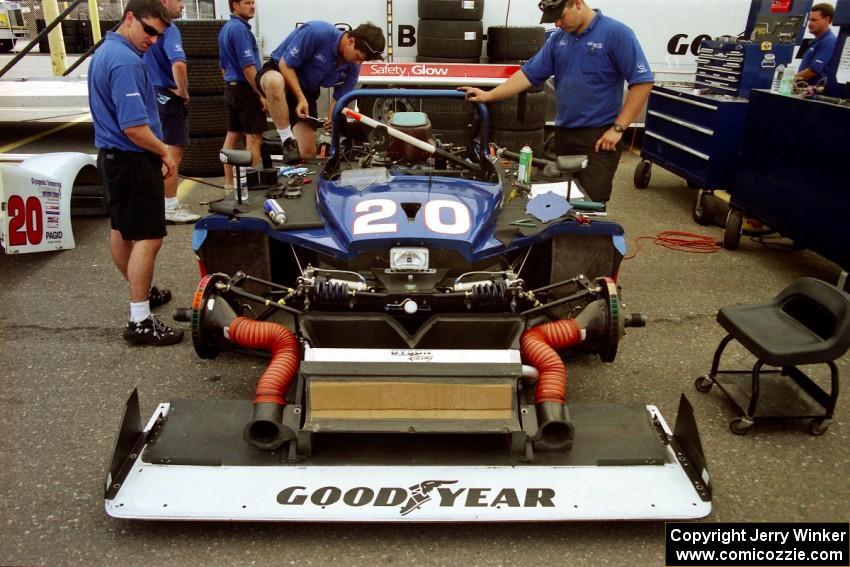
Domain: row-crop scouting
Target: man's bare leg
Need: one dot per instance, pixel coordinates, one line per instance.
(140, 268)
(273, 85)
(252, 144)
(306, 137)
(120, 250)
(176, 154)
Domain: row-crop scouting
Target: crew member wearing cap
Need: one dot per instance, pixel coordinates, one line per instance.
(817, 57)
(315, 55)
(590, 56)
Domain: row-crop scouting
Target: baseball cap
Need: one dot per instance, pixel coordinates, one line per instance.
(552, 10)
(369, 39)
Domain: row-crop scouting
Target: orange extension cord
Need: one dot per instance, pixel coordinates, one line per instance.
(283, 345)
(681, 242)
(538, 347)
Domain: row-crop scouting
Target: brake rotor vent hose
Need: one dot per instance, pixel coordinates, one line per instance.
(539, 346)
(284, 349)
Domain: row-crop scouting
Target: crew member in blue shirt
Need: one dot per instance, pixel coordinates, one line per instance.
(814, 64)
(315, 55)
(590, 56)
(166, 64)
(239, 58)
(132, 161)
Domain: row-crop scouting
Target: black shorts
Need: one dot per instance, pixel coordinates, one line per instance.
(244, 110)
(291, 101)
(133, 187)
(597, 178)
(174, 117)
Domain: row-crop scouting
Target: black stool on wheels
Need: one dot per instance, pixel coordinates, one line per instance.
(807, 323)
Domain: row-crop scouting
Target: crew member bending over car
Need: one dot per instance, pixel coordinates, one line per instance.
(590, 56)
(239, 58)
(166, 64)
(315, 55)
(132, 162)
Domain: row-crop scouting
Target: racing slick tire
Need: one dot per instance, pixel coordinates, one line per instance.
(207, 116)
(456, 137)
(451, 9)
(426, 59)
(514, 140)
(200, 37)
(514, 43)
(448, 38)
(515, 114)
(200, 158)
(206, 77)
(447, 113)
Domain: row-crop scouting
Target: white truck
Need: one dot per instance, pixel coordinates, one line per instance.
(12, 25)
(669, 30)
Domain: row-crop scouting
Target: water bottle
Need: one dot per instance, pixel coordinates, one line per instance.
(525, 157)
(275, 211)
(777, 78)
(243, 178)
(786, 86)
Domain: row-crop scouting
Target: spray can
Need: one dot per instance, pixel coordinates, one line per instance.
(275, 211)
(524, 173)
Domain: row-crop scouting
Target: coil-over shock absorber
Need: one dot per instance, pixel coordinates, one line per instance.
(333, 292)
(489, 293)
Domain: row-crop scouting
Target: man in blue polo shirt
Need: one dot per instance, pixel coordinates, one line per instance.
(590, 56)
(132, 161)
(814, 64)
(239, 59)
(315, 55)
(166, 64)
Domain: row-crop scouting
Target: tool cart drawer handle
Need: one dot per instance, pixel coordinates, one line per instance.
(686, 100)
(683, 123)
(682, 147)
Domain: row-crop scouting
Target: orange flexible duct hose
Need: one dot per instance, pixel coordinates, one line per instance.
(538, 348)
(285, 351)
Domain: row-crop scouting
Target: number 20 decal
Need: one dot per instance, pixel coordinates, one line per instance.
(459, 221)
(25, 221)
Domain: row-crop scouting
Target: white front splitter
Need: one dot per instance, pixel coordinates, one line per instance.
(408, 493)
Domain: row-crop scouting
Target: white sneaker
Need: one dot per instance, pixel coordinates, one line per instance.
(180, 215)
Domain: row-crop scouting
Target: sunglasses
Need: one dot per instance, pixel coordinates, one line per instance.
(150, 30)
(372, 50)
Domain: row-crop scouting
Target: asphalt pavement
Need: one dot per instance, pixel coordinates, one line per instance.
(65, 373)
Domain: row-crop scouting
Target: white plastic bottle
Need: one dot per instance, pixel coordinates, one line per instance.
(777, 78)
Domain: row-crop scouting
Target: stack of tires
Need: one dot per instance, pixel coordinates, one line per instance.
(70, 36)
(514, 44)
(519, 120)
(450, 31)
(207, 111)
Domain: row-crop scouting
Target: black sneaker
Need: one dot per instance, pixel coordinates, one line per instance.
(158, 297)
(151, 331)
(291, 155)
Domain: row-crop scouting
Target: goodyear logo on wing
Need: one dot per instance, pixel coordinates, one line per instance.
(439, 493)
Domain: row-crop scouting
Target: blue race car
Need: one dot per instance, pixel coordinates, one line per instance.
(415, 302)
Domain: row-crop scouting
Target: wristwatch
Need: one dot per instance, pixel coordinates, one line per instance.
(618, 129)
